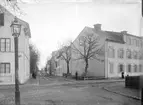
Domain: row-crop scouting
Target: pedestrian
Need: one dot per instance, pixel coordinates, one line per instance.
(34, 75)
(76, 75)
(122, 75)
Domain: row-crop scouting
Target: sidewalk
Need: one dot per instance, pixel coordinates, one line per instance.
(122, 90)
(85, 82)
(35, 82)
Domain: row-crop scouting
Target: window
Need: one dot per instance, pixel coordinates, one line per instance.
(5, 44)
(141, 43)
(140, 55)
(135, 54)
(140, 68)
(121, 68)
(129, 40)
(129, 68)
(111, 65)
(134, 42)
(138, 44)
(111, 52)
(1, 19)
(121, 53)
(135, 68)
(128, 53)
(4, 68)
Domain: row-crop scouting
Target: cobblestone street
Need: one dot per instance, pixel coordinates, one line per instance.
(80, 93)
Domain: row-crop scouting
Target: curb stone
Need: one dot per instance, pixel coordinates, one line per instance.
(134, 97)
(57, 84)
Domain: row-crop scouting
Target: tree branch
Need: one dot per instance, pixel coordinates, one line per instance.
(77, 50)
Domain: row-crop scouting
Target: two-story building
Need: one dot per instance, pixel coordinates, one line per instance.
(124, 57)
(121, 52)
(7, 56)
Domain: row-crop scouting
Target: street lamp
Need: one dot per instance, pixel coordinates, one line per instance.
(16, 29)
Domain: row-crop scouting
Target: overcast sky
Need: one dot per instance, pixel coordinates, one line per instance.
(53, 23)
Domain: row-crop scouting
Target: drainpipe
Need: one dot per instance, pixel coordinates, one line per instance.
(105, 58)
(105, 61)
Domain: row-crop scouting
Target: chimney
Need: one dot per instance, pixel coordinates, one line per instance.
(124, 32)
(97, 27)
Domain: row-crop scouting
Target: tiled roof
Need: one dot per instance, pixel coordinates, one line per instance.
(109, 35)
(114, 36)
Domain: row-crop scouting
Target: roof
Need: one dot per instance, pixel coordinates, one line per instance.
(134, 36)
(114, 37)
(25, 24)
(108, 35)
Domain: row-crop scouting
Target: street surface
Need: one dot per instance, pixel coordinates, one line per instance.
(67, 94)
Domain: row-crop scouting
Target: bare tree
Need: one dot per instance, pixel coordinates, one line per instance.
(65, 54)
(34, 58)
(50, 67)
(14, 6)
(88, 48)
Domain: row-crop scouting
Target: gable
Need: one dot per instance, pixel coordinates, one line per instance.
(6, 16)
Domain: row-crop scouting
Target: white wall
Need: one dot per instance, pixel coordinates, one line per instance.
(125, 61)
(5, 32)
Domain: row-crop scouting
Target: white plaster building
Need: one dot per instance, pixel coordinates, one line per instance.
(121, 52)
(7, 57)
(126, 57)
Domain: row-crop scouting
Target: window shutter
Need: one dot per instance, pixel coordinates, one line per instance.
(1, 19)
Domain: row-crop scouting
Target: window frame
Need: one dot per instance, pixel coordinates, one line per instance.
(5, 68)
(111, 52)
(128, 68)
(121, 53)
(5, 44)
(135, 54)
(130, 54)
(129, 40)
(111, 65)
(140, 67)
(123, 68)
(135, 68)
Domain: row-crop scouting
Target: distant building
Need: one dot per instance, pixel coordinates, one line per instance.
(7, 57)
(121, 52)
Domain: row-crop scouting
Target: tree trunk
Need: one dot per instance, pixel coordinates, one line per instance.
(50, 69)
(68, 68)
(86, 67)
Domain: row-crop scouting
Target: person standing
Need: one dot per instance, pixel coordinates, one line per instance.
(76, 75)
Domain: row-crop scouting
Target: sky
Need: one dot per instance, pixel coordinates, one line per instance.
(53, 23)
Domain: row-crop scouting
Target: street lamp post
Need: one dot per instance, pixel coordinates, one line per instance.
(16, 29)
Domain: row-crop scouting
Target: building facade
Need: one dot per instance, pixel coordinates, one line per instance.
(121, 52)
(7, 55)
(125, 57)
